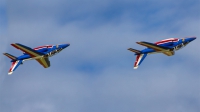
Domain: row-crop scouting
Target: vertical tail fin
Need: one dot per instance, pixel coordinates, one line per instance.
(15, 63)
(14, 66)
(10, 56)
(139, 59)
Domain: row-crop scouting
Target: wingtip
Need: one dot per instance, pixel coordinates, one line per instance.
(138, 42)
(13, 44)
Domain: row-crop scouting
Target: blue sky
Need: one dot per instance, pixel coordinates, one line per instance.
(94, 74)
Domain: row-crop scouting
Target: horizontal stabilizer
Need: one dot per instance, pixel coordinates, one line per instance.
(134, 50)
(10, 56)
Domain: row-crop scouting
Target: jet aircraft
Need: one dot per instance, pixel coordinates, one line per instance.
(40, 54)
(167, 47)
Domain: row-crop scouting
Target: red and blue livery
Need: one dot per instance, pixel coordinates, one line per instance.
(167, 47)
(40, 54)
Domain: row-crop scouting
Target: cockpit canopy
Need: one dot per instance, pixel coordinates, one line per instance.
(57, 46)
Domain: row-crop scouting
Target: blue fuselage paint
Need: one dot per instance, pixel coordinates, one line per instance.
(174, 46)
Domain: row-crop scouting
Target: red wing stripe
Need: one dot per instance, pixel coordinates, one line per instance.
(41, 47)
(167, 40)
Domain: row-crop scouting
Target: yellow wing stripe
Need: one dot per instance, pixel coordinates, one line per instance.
(169, 53)
(44, 62)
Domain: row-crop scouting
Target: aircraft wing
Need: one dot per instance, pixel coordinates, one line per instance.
(27, 50)
(33, 53)
(153, 46)
(169, 53)
(44, 62)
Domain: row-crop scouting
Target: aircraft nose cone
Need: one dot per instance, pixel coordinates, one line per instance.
(192, 38)
(65, 45)
(189, 39)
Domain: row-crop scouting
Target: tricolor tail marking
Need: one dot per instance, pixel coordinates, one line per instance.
(14, 66)
(139, 60)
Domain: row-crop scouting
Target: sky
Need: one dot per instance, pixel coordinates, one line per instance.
(95, 73)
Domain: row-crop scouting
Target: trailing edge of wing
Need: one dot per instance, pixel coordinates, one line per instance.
(28, 50)
(153, 46)
(44, 62)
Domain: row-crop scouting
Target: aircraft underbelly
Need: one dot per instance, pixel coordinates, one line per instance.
(148, 51)
(24, 57)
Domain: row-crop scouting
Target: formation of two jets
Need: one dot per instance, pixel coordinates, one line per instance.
(42, 53)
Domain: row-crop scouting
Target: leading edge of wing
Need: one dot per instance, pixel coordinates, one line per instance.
(28, 50)
(153, 46)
